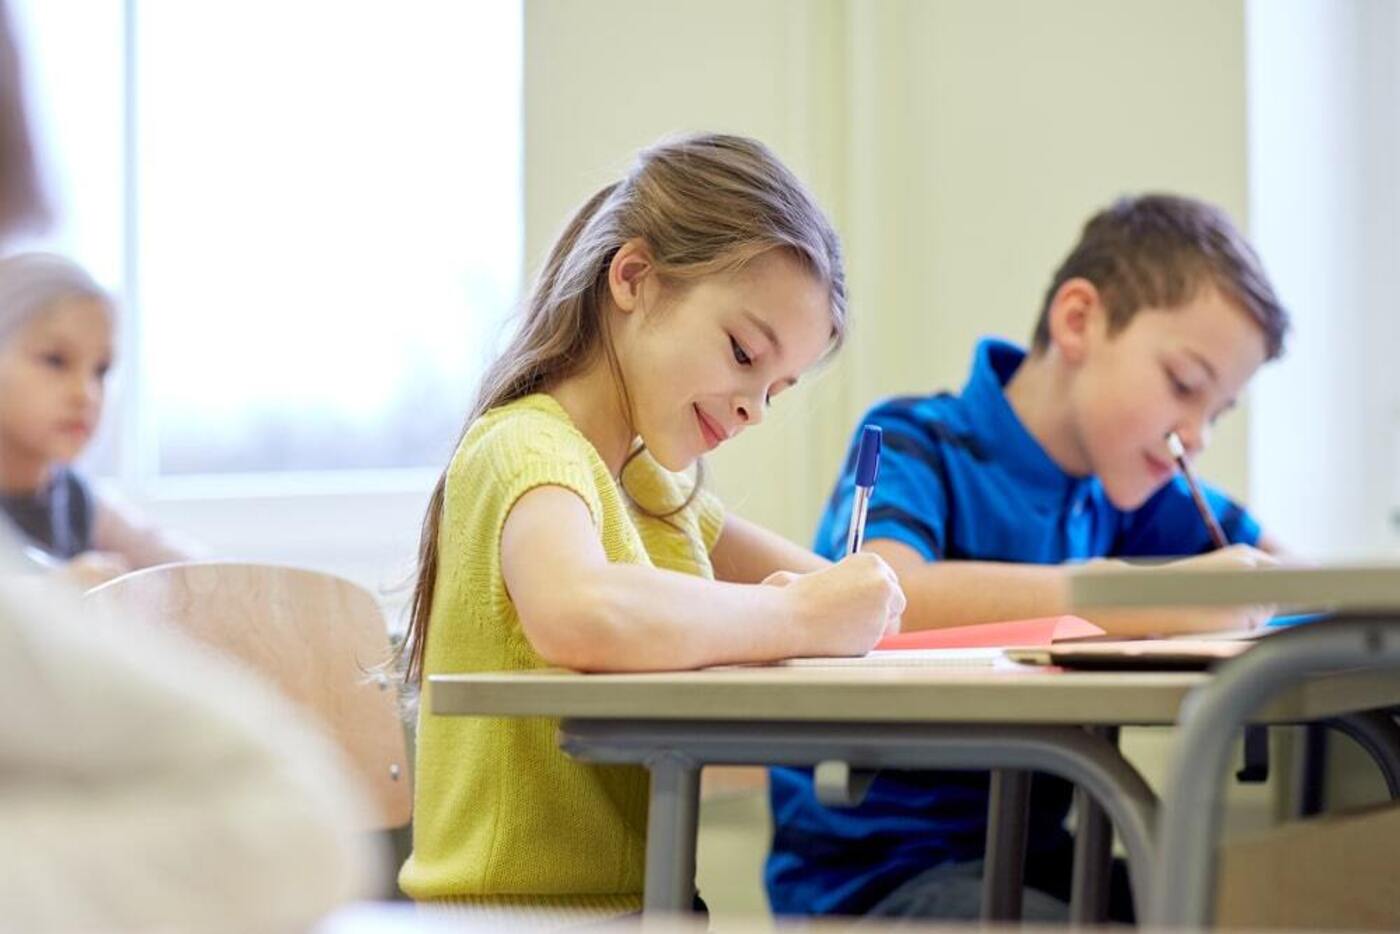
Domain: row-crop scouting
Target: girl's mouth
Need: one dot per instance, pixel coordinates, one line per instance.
(712, 434)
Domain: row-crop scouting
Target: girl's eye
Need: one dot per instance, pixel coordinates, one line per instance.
(53, 360)
(740, 357)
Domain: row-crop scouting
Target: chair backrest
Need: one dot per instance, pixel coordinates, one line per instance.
(315, 636)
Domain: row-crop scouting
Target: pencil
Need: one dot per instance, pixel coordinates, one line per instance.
(1217, 534)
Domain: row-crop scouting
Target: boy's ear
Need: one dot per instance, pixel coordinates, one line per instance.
(1077, 316)
(629, 267)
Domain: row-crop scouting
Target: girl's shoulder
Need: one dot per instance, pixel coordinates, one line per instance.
(535, 424)
(59, 516)
(523, 437)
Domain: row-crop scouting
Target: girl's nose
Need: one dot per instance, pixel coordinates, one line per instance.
(747, 412)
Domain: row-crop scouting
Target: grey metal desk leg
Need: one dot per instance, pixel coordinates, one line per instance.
(671, 827)
(1005, 866)
(1069, 752)
(1183, 892)
(1376, 732)
(1093, 853)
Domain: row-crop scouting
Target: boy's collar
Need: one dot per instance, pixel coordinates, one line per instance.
(1005, 438)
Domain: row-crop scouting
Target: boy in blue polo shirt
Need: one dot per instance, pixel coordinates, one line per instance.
(1154, 323)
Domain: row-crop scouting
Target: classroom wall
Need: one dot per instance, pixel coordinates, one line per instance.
(958, 145)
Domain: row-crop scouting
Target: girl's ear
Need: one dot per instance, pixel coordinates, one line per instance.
(630, 266)
(1077, 318)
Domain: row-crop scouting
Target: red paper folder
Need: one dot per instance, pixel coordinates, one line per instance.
(1019, 632)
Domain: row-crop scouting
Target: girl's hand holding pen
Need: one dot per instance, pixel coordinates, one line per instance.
(844, 609)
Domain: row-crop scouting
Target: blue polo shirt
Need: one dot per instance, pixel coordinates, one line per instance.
(960, 478)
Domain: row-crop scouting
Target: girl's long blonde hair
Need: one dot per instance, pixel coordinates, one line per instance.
(703, 205)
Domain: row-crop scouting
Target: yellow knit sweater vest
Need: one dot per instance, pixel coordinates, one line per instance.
(500, 813)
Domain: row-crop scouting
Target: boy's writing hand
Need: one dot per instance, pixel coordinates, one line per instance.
(844, 609)
(1196, 619)
(1228, 559)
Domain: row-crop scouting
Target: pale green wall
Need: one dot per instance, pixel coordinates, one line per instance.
(958, 144)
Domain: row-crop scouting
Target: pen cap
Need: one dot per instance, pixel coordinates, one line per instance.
(868, 459)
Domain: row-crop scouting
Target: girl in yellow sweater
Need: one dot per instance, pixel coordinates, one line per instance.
(677, 303)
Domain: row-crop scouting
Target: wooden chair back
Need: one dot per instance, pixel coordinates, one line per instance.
(318, 638)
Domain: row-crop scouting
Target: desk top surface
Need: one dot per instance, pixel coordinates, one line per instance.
(886, 694)
(1352, 588)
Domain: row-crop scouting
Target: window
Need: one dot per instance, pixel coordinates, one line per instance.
(311, 211)
(1324, 95)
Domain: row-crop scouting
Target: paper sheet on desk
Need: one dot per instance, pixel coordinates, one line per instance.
(961, 646)
(906, 658)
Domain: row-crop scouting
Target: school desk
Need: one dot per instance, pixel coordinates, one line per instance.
(1009, 719)
(1362, 638)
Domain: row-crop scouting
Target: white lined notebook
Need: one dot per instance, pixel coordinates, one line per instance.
(906, 658)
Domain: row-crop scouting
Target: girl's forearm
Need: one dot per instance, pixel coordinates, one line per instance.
(634, 618)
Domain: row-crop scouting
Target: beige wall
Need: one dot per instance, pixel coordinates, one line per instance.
(958, 145)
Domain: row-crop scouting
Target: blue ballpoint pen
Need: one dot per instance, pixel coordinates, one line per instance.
(867, 466)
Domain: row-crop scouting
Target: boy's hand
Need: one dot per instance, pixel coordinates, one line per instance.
(1235, 557)
(844, 609)
(1196, 619)
(1228, 559)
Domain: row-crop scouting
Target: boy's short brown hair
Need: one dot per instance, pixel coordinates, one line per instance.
(1156, 251)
